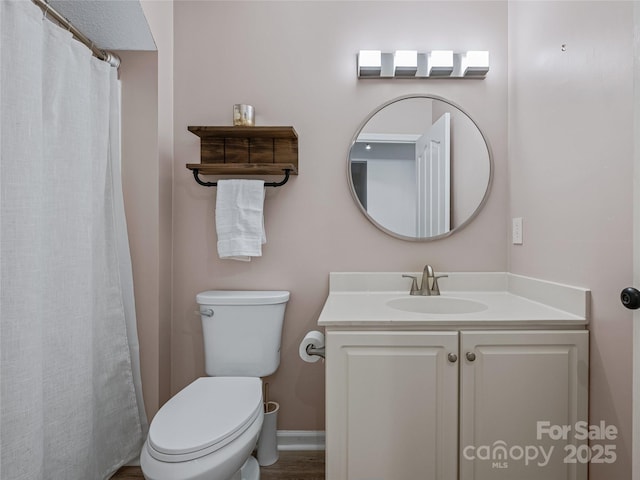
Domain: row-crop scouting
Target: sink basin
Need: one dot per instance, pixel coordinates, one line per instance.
(438, 305)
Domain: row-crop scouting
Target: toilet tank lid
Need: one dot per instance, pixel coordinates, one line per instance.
(242, 297)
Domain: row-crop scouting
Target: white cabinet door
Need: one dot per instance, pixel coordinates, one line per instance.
(392, 408)
(516, 380)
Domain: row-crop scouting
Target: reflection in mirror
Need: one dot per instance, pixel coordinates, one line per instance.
(419, 167)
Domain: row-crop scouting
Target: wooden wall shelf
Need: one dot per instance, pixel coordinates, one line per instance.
(246, 150)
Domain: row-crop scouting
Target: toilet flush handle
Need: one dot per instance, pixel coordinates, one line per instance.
(205, 313)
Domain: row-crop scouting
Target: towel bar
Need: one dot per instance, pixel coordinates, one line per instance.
(267, 184)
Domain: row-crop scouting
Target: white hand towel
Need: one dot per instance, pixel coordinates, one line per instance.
(240, 219)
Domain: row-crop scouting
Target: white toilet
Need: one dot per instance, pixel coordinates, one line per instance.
(209, 429)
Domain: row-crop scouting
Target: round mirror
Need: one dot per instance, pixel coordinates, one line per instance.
(419, 167)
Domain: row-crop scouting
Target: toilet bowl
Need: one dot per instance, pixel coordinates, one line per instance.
(206, 432)
(209, 429)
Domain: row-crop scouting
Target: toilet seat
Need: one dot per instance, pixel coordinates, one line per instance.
(204, 417)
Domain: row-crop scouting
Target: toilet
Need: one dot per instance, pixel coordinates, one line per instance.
(209, 429)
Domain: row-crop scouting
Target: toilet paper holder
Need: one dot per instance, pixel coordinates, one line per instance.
(311, 350)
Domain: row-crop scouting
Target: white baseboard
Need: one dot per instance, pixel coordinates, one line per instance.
(301, 440)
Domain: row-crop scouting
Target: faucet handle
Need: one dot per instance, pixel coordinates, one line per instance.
(435, 290)
(414, 284)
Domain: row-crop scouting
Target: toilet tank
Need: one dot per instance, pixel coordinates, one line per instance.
(242, 331)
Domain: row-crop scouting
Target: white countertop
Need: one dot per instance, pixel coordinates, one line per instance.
(360, 300)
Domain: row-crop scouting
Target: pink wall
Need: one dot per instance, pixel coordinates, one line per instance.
(295, 62)
(568, 127)
(147, 170)
(570, 160)
(139, 74)
(160, 18)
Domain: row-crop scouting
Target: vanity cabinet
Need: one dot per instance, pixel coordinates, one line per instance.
(453, 405)
(392, 412)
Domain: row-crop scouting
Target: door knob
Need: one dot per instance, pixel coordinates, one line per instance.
(452, 357)
(471, 356)
(630, 298)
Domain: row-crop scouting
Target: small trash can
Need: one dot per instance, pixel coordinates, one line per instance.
(267, 441)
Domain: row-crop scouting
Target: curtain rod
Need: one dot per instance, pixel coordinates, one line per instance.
(108, 57)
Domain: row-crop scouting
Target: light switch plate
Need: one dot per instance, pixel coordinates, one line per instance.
(516, 230)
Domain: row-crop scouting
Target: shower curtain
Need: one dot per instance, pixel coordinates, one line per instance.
(69, 406)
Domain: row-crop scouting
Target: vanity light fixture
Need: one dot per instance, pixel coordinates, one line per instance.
(475, 63)
(369, 63)
(405, 63)
(439, 64)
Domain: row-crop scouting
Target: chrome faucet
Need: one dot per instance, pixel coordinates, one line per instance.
(427, 277)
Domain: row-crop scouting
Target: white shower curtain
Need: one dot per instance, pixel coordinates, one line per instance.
(69, 408)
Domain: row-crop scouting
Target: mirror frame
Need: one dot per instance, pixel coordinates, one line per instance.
(475, 213)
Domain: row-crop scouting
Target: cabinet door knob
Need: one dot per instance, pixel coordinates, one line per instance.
(452, 357)
(471, 356)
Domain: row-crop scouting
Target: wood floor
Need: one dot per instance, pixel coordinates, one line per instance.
(290, 466)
